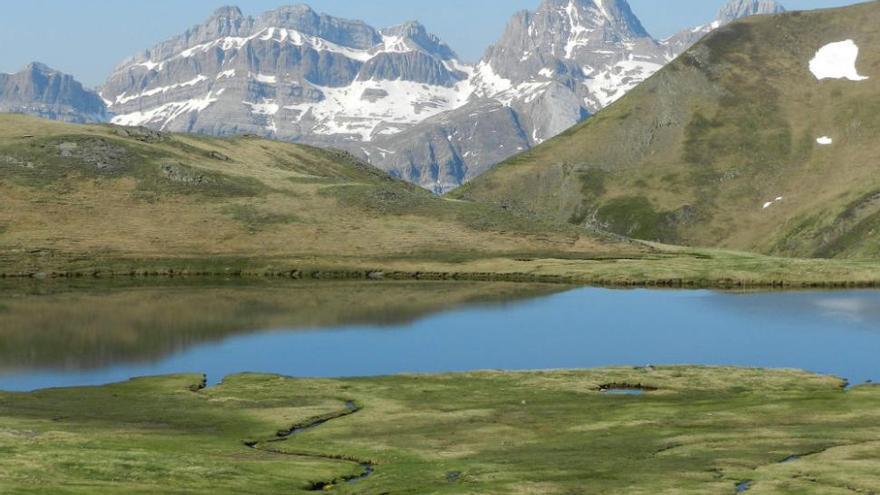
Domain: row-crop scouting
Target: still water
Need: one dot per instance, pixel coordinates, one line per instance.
(80, 337)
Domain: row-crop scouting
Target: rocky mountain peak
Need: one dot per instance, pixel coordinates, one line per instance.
(304, 19)
(416, 36)
(611, 15)
(737, 9)
(45, 92)
(225, 21)
(228, 12)
(40, 68)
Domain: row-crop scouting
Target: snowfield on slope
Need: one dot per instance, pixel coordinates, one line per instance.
(837, 61)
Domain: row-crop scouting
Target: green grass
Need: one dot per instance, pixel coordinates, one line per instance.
(702, 431)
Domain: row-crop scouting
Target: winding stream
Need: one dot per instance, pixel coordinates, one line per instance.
(283, 436)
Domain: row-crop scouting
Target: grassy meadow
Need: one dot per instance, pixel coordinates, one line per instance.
(697, 430)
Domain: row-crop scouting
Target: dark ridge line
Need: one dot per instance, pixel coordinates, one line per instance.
(375, 275)
(626, 386)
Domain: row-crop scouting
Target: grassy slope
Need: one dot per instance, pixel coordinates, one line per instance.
(86, 199)
(72, 192)
(703, 431)
(692, 155)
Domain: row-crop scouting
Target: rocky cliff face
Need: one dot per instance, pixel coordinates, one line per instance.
(399, 96)
(44, 92)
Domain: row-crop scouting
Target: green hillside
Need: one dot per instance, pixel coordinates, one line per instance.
(694, 154)
(76, 194)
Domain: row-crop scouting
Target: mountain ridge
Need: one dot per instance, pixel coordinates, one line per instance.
(39, 90)
(399, 96)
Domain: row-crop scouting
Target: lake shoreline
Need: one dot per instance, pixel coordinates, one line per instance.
(685, 272)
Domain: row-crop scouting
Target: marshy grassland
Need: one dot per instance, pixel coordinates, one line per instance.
(698, 430)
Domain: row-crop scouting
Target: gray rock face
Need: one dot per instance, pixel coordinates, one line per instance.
(737, 9)
(733, 10)
(398, 96)
(41, 91)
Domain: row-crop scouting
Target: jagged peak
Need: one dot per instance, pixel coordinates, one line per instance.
(616, 13)
(417, 33)
(737, 9)
(227, 12)
(40, 67)
(302, 18)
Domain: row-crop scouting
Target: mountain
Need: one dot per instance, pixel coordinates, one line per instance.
(551, 69)
(761, 137)
(398, 97)
(291, 74)
(44, 92)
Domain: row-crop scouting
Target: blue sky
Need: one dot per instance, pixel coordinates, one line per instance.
(88, 38)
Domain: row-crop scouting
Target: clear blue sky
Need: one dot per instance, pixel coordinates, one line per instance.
(88, 38)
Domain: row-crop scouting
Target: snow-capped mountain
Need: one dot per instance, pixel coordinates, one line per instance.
(290, 74)
(399, 96)
(552, 68)
(45, 92)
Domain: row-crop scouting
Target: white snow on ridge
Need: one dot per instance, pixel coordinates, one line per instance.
(837, 61)
(164, 89)
(825, 140)
(166, 113)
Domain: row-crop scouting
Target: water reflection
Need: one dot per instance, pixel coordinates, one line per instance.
(88, 328)
(356, 329)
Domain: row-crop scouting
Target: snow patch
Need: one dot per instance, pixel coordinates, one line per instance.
(344, 110)
(768, 204)
(266, 107)
(486, 82)
(825, 140)
(150, 65)
(610, 85)
(837, 61)
(264, 78)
